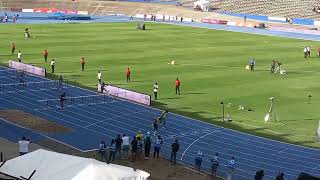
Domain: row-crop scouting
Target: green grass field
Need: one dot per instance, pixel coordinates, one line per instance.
(209, 63)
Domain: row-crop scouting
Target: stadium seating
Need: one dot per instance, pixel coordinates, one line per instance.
(279, 8)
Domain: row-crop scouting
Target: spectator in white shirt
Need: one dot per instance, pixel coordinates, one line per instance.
(125, 145)
(24, 146)
(99, 77)
(155, 90)
(19, 56)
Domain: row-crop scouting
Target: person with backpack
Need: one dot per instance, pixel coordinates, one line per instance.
(214, 165)
(174, 149)
(112, 149)
(157, 146)
(147, 145)
(102, 150)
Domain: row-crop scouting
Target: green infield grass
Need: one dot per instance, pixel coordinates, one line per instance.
(209, 63)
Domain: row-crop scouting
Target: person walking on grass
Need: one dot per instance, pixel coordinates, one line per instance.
(128, 74)
(178, 83)
(230, 169)
(125, 145)
(252, 63)
(163, 118)
(157, 146)
(134, 148)
(13, 48)
(305, 51)
(52, 65)
(19, 56)
(82, 62)
(45, 55)
(99, 76)
(174, 149)
(102, 151)
(155, 90)
(118, 145)
(147, 145)
(198, 160)
(112, 150)
(214, 165)
(309, 51)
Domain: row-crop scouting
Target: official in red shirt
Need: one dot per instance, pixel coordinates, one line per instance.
(45, 55)
(178, 83)
(13, 48)
(128, 75)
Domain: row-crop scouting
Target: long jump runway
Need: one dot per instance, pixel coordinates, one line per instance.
(94, 121)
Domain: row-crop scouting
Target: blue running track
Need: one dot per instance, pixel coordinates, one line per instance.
(95, 121)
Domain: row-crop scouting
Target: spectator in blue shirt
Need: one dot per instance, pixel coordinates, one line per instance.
(102, 150)
(157, 145)
(198, 160)
(230, 169)
(112, 149)
(214, 165)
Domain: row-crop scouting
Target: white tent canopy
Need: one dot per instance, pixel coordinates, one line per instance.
(203, 4)
(56, 166)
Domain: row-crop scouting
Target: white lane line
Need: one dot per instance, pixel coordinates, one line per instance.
(184, 152)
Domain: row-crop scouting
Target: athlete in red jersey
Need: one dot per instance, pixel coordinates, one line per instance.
(45, 55)
(128, 75)
(178, 83)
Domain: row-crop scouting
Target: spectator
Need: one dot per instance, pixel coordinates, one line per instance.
(112, 149)
(198, 160)
(52, 65)
(155, 126)
(125, 143)
(134, 148)
(174, 149)
(259, 175)
(118, 146)
(157, 146)
(214, 165)
(24, 145)
(19, 56)
(230, 169)
(139, 137)
(280, 176)
(102, 150)
(147, 145)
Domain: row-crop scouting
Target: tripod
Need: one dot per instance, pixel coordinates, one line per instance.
(271, 114)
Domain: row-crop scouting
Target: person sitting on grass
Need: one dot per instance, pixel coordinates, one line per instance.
(112, 150)
(198, 160)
